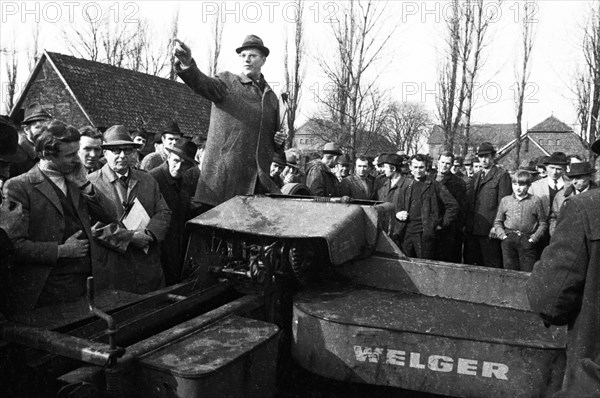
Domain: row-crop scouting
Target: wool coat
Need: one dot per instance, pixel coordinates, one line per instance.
(121, 265)
(541, 189)
(485, 194)
(39, 232)
(564, 290)
(358, 188)
(172, 248)
(458, 189)
(240, 142)
(438, 207)
(321, 181)
(558, 201)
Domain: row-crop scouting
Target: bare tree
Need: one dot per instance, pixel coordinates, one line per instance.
(83, 40)
(12, 66)
(174, 33)
(33, 52)
(294, 71)
(583, 89)
(527, 36)
(408, 125)
(360, 39)
(214, 49)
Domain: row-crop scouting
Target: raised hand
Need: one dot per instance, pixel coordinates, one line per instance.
(182, 52)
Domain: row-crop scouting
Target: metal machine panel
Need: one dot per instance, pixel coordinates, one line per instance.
(234, 357)
(426, 344)
(347, 228)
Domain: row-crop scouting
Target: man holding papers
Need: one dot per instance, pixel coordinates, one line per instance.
(130, 255)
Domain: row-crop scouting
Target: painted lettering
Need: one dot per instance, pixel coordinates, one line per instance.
(415, 359)
(440, 363)
(367, 353)
(395, 357)
(498, 370)
(467, 367)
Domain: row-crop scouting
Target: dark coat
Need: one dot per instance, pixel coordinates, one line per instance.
(172, 248)
(485, 194)
(25, 158)
(559, 199)
(38, 233)
(458, 189)
(321, 181)
(439, 208)
(123, 266)
(353, 186)
(564, 289)
(240, 145)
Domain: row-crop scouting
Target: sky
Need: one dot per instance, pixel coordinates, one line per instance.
(407, 70)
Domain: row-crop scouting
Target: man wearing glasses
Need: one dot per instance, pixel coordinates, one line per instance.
(130, 257)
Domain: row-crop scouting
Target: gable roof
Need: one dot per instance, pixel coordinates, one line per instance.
(110, 95)
(499, 134)
(551, 124)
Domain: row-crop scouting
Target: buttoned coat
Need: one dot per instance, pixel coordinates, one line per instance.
(354, 186)
(39, 232)
(564, 290)
(438, 207)
(321, 181)
(541, 189)
(240, 145)
(121, 265)
(485, 193)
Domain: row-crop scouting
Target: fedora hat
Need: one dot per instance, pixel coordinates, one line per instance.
(279, 158)
(580, 169)
(344, 160)
(253, 41)
(332, 148)
(118, 135)
(35, 112)
(596, 146)
(171, 127)
(185, 149)
(486, 148)
(468, 162)
(390, 158)
(557, 158)
(290, 159)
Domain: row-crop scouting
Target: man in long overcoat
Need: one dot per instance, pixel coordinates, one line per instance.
(129, 259)
(488, 187)
(244, 123)
(564, 289)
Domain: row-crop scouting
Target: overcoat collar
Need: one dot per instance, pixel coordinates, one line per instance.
(110, 176)
(40, 182)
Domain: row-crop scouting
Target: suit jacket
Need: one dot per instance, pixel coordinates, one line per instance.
(39, 232)
(439, 208)
(240, 145)
(541, 189)
(458, 189)
(123, 266)
(354, 187)
(485, 194)
(557, 204)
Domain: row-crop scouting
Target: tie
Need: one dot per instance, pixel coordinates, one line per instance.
(555, 186)
(124, 181)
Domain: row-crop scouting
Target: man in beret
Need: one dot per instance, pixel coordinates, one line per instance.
(581, 181)
(485, 192)
(564, 289)
(320, 178)
(244, 123)
(130, 258)
(168, 136)
(169, 176)
(342, 167)
(53, 238)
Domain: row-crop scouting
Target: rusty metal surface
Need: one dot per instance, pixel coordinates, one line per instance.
(210, 349)
(435, 316)
(345, 227)
(498, 287)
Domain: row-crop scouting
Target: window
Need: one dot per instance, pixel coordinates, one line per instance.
(557, 142)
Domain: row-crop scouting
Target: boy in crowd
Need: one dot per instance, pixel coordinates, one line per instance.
(520, 223)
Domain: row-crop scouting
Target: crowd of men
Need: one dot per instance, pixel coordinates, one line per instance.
(78, 202)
